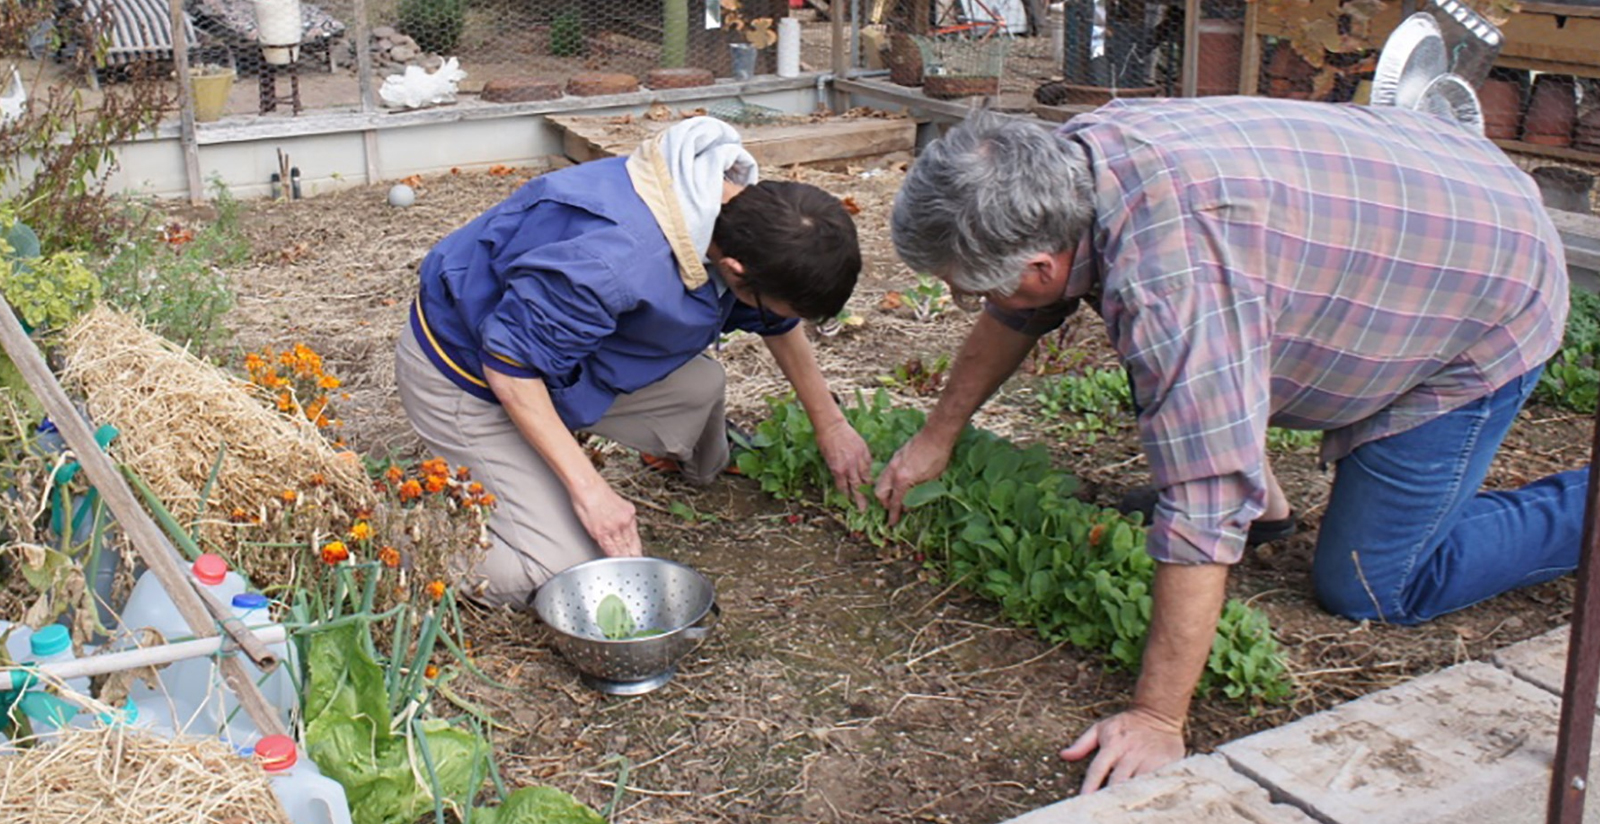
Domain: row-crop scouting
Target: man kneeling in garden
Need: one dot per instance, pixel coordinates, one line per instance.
(1376, 274)
(585, 302)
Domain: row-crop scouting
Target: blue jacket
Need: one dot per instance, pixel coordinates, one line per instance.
(569, 280)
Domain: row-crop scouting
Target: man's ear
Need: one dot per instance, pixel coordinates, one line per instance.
(731, 267)
(1042, 267)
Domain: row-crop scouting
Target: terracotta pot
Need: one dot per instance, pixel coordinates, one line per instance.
(1552, 111)
(1221, 41)
(1502, 108)
(1587, 135)
(905, 60)
(1289, 75)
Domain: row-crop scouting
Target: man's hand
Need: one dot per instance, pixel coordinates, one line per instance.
(610, 519)
(920, 459)
(1131, 743)
(848, 458)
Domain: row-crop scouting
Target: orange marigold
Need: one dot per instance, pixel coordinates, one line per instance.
(463, 474)
(487, 499)
(436, 590)
(335, 552)
(410, 491)
(329, 382)
(253, 363)
(430, 672)
(389, 556)
(436, 483)
(285, 402)
(289, 496)
(239, 515)
(317, 479)
(436, 466)
(474, 489)
(363, 513)
(362, 531)
(395, 474)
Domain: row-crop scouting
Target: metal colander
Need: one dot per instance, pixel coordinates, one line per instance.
(661, 595)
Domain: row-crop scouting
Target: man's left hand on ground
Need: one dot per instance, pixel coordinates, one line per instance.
(848, 457)
(1129, 744)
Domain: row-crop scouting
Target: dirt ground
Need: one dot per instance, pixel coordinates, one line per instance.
(843, 683)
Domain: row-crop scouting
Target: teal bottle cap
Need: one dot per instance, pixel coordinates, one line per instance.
(52, 640)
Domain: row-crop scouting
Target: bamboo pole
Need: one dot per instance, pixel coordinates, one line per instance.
(15, 677)
(1189, 79)
(147, 539)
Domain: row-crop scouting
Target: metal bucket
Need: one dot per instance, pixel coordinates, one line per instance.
(661, 595)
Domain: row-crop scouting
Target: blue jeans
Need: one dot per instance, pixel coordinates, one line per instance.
(1408, 536)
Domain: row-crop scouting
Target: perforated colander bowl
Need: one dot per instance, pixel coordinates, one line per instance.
(661, 595)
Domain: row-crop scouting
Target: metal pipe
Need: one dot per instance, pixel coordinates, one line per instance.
(15, 677)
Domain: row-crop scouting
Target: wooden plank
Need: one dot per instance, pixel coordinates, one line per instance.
(1190, 75)
(1553, 152)
(1250, 55)
(147, 538)
(1562, 9)
(1569, 773)
(180, 65)
(591, 138)
(1552, 38)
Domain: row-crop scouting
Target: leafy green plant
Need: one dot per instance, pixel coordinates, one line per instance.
(435, 24)
(1570, 380)
(918, 377)
(1094, 402)
(1292, 440)
(928, 298)
(566, 34)
(1004, 522)
(688, 513)
(175, 279)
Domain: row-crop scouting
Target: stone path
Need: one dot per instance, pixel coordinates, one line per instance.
(1472, 743)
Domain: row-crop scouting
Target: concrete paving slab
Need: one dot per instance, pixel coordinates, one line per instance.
(1199, 788)
(1541, 660)
(1468, 744)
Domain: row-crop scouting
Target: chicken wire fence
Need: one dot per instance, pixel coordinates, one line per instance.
(1077, 51)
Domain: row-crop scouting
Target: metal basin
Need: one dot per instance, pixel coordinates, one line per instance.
(661, 595)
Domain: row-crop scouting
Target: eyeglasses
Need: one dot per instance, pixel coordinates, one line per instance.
(768, 319)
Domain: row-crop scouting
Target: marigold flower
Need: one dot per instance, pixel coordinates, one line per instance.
(285, 402)
(239, 515)
(436, 466)
(289, 496)
(487, 499)
(329, 382)
(362, 531)
(395, 474)
(463, 474)
(436, 590)
(437, 483)
(287, 358)
(253, 363)
(474, 489)
(335, 552)
(430, 672)
(389, 556)
(315, 408)
(410, 491)
(317, 479)
(363, 513)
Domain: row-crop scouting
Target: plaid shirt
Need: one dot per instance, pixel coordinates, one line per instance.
(1354, 270)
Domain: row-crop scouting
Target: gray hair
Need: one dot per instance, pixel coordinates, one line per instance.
(985, 197)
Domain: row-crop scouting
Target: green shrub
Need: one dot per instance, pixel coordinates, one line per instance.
(566, 34)
(435, 24)
(181, 290)
(1570, 380)
(1004, 522)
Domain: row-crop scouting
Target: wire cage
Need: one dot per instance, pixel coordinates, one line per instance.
(962, 65)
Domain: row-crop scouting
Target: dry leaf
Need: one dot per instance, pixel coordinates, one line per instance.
(658, 113)
(891, 301)
(850, 205)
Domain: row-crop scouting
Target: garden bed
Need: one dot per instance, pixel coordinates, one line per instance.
(845, 682)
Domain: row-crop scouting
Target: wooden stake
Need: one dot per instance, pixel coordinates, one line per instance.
(180, 63)
(146, 537)
(1569, 776)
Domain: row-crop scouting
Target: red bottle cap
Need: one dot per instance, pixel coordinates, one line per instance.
(210, 569)
(276, 753)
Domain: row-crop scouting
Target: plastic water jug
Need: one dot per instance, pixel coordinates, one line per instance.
(18, 648)
(134, 715)
(196, 682)
(252, 608)
(308, 796)
(53, 645)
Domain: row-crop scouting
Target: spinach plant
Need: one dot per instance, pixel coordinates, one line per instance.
(1004, 522)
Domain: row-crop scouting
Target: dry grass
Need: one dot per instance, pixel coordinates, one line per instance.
(110, 776)
(177, 413)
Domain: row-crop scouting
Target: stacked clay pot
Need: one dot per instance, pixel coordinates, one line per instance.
(1502, 108)
(1552, 111)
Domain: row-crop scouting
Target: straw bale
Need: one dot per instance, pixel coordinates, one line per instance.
(117, 775)
(176, 412)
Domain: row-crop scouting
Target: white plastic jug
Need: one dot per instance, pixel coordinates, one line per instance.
(308, 796)
(17, 647)
(193, 683)
(277, 687)
(53, 645)
(134, 715)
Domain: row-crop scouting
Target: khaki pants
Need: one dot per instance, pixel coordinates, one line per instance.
(534, 532)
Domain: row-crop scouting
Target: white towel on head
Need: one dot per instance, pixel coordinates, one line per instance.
(679, 174)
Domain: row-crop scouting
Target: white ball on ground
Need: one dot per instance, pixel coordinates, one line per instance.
(401, 195)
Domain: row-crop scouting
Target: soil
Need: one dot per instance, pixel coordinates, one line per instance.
(843, 683)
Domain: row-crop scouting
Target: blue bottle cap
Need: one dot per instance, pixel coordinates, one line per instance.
(127, 716)
(250, 600)
(52, 640)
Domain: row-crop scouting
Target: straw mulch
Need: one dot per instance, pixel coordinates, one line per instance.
(109, 776)
(176, 413)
